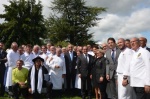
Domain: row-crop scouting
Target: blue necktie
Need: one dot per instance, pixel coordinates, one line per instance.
(113, 55)
(71, 56)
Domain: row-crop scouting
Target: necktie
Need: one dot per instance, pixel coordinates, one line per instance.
(113, 55)
(86, 58)
(71, 55)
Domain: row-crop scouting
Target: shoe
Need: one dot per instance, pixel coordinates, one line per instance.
(83, 97)
(89, 97)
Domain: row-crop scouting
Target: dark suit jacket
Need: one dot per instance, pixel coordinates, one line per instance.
(83, 67)
(44, 71)
(2, 58)
(148, 49)
(70, 65)
(99, 66)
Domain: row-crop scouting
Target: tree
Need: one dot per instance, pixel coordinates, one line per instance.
(72, 21)
(24, 23)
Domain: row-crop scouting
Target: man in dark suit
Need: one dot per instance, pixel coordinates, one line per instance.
(112, 55)
(2, 68)
(84, 66)
(70, 58)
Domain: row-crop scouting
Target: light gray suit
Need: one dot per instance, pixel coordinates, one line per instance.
(111, 67)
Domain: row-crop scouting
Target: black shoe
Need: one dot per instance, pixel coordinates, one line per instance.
(89, 97)
(83, 97)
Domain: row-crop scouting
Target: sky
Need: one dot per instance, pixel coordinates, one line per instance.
(123, 18)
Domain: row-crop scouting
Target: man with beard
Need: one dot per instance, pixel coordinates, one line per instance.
(124, 89)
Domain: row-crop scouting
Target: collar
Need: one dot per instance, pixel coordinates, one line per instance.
(114, 49)
(137, 49)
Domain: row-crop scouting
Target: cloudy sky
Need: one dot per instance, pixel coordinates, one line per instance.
(124, 18)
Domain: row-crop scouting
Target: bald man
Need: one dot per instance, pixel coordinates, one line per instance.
(143, 42)
(124, 89)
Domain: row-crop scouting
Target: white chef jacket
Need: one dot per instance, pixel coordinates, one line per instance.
(124, 61)
(140, 68)
(56, 73)
(12, 58)
(27, 58)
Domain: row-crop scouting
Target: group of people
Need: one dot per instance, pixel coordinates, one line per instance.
(114, 70)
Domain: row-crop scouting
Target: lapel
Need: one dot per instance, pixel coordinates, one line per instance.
(117, 54)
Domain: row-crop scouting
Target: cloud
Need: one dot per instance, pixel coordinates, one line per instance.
(124, 18)
(113, 25)
(122, 7)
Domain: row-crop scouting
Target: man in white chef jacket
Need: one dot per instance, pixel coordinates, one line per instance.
(27, 57)
(139, 69)
(124, 91)
(57, 71)
(12, 58)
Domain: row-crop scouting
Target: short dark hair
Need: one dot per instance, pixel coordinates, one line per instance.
(111, 39)
(29, 45)
(95, 46)
(127, 40)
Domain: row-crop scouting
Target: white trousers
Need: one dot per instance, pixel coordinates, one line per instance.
(124, 92)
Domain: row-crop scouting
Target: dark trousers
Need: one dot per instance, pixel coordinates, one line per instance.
(86, 81)
(48, 85)
(70, 79)
(57, 94)
(140, 92)
(2, 73)
(17, 91)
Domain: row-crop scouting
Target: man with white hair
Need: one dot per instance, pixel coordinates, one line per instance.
(140, 69)
(12, 58)
(57, 71)
(36, 50)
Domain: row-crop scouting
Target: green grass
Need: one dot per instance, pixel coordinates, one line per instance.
(63, 97)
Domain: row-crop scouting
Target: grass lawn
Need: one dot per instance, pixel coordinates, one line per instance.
(63, 97)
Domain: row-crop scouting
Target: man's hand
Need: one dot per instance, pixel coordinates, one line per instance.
(101, 79)
(51, 59)
(90, 76)
(57, 66)
(125, 82)
(79, 75)
(30, 90)
(147, 89)
(63, 75)
(107, 77)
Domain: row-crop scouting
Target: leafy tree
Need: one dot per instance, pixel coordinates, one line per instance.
(23, 23)
(71, 21)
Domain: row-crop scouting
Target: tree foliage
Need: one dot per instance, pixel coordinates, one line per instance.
(23, 23)
(72, 21)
